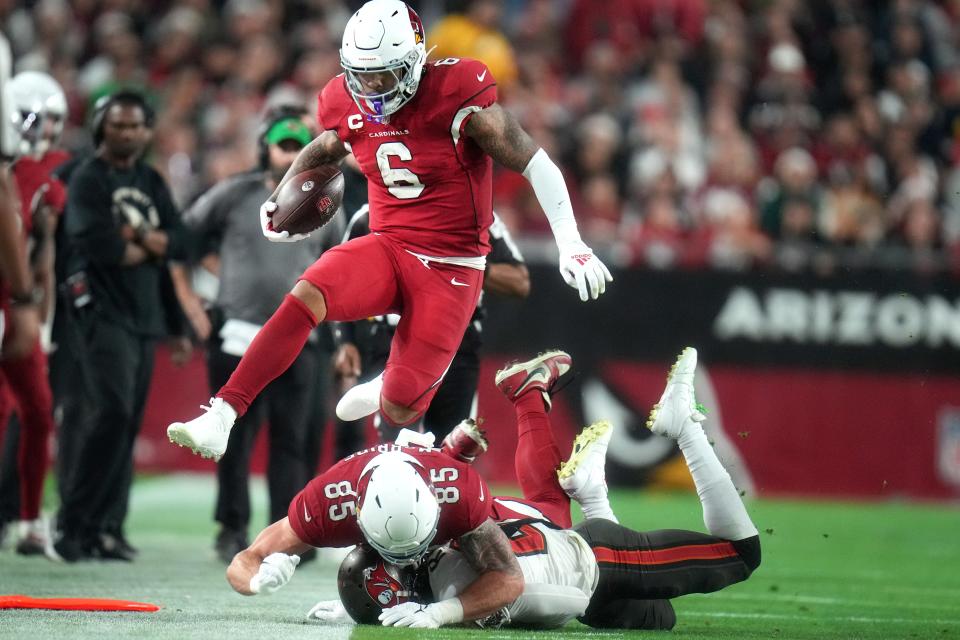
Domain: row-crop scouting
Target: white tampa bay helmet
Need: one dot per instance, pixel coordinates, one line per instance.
(398, 512)
(40, 109)
(383, 36)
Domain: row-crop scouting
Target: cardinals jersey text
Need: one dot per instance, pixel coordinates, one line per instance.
(429, 186)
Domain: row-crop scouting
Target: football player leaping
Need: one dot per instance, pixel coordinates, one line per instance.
(605, 574)
(425, 135)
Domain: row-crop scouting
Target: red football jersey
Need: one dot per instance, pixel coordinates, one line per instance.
(37, 185)
(429, 186)
(324, 514)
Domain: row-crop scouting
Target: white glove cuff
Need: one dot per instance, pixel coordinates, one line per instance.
(448, 611)
(547, 181)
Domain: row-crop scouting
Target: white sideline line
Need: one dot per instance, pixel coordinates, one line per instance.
(787, 616)
(822, 600)
(785, 598)
(935, 590)
(816, 573)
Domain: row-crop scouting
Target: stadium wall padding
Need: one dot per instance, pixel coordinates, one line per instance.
(841, 385)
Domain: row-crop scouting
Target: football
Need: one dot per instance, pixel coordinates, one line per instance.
(309, 200)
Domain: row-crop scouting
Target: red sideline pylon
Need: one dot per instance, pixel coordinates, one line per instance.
(17, 601)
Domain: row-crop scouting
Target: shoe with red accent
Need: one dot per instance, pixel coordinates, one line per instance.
(540, 373)
(466, 442)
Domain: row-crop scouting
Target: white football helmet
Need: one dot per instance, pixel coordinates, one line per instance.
(398, 512)
(40, 109)
(383, 36)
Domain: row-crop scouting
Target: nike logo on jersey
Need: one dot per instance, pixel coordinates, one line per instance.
(481, 492)
(481, 76)
(457, 283)
(306, 516)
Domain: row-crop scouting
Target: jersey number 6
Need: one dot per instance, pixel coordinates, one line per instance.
(400, 182)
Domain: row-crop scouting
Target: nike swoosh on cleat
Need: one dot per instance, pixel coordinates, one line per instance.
(481, 76)
(457, 283)
(531, 374)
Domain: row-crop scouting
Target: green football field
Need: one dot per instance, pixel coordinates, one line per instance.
(830, 570)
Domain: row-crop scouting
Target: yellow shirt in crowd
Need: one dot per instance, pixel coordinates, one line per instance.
(456, 36)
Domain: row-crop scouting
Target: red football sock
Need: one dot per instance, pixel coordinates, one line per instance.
(271, 353)
(538, 459)
(27, 378)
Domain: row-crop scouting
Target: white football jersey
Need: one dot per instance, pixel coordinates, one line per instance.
(559, 570)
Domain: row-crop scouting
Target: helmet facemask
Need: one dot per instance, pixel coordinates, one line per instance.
(379, 106)
(39, 131)
(409, 558)
(383, 37)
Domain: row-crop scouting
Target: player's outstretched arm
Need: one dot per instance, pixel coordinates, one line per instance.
(268, 563)
(512, 280)
(500, 135)
(500, 580)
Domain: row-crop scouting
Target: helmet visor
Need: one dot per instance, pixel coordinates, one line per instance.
(380, 91)
(402, 560)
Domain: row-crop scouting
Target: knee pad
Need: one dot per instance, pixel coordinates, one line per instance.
(404, 386)
(749, 550)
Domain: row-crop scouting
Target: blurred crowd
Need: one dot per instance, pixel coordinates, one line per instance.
(693, 133)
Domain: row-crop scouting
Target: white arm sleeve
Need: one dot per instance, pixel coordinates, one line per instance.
(552, 194)
(548, 606)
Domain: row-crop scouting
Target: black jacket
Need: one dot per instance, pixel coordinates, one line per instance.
(100, 200)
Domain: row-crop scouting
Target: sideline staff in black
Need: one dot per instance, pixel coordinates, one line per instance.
(123, 227)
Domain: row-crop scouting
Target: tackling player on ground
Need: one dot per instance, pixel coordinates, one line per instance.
(399, 500)
(425, 135)
(605, 574)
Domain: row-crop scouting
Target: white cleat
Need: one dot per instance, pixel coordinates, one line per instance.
(207, 435)
(583, 477)
(360, 400)
(35, 539)
(677, 404)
